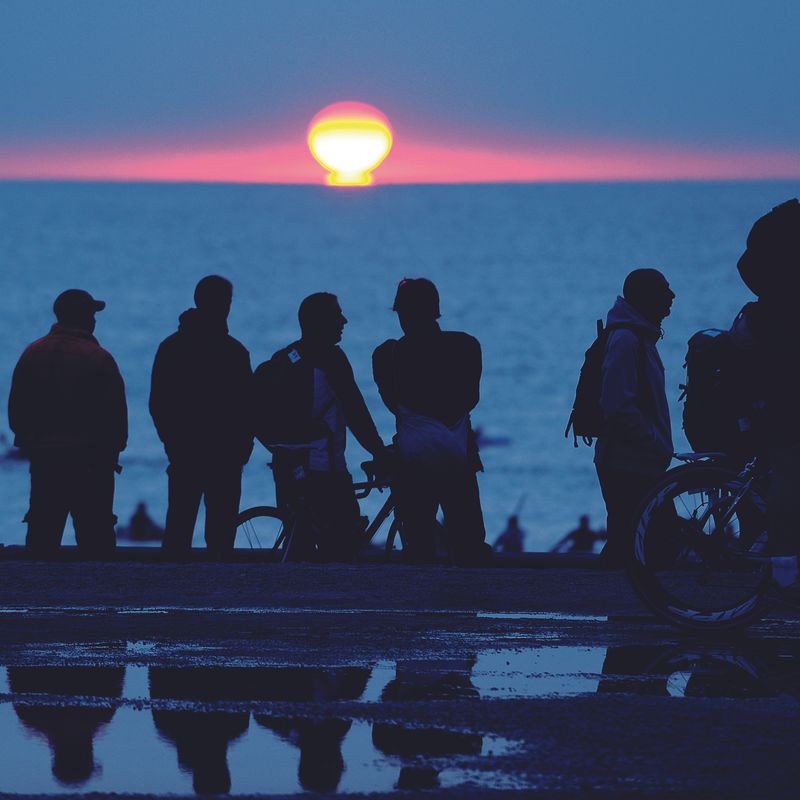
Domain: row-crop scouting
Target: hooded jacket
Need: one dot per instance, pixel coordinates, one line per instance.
(200, 393)
(67, 391)
(637, 435)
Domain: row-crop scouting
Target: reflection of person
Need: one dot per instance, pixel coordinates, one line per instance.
(580, 540)
(320, 741)
(68, 412)
(201, 737)
(70, 730)
(421, 681)
(306, 399)
(635, 445)
(199, 401)
(430, 380)
(511, 540)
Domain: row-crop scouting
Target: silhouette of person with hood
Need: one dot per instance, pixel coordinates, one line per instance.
(430, 380)
(306, 397)
(68, 412)
(635, 445)
(69, 729)
(770, 267)
(200, 404)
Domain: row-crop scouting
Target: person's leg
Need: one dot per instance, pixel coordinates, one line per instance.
(622, 492)
(92, 507)
(223, 490)
(463, 519)
(783, 523)
(335, 514)
(47, 513)
(184, 492)
(417, 501)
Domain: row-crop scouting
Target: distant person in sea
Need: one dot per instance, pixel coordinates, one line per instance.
(430, 380)
(68, 412)
(141, 527)
(200, 404)
(580, 540)
(306, 398)
(512, 539)
(635, 445)
(770, 267)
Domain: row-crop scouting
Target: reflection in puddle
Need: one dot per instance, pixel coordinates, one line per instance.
(216, 729)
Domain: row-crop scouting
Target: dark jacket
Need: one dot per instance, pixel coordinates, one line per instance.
(436, 374)
(67, 391)
(637, 435)
(319, 399)
(200, 393)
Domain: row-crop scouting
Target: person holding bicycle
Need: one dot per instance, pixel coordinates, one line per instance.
(770, 267)
(430, 380)
(306, 397)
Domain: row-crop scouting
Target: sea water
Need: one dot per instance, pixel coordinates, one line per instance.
(527, 269)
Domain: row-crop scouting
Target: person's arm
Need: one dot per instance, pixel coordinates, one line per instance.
(356, 413)
(20, 404)
(383, 373)
(162, 394)
(619, 391)
(117, 407)
(474, 367)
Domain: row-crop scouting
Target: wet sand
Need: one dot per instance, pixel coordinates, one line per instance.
(477, 682)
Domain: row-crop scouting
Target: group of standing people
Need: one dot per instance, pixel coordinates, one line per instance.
(68, 411)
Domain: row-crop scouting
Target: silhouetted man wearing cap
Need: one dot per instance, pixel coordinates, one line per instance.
(770, 266)
(635, 445)
(430, 380)
(200, 404)
(68, 412)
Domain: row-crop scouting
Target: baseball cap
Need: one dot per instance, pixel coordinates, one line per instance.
(74, 302)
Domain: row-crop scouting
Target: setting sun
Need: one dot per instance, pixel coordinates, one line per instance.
(349, 139)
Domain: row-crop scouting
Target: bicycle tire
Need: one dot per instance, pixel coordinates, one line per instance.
(694, 574)
(269, 535)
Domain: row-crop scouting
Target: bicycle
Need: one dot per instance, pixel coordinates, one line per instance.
(269, 527)
(699, 555)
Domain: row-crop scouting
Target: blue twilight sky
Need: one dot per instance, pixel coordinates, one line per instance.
(687, 72)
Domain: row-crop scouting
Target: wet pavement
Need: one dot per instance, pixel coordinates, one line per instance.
(260, 699)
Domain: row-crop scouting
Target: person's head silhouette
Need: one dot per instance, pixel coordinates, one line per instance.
(417, 304)
(770, 266)
(321, 318)
(213, 296)
(648, 291)
(75, 308)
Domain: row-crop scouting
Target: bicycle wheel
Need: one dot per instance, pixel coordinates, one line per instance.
(261, 527)
(698, 554)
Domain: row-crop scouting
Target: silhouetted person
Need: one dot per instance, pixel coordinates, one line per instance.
(580, 540)
(512, 539)
(430, 380)
(141, 527)
(306, 397)
(69, 730)
(201, 737)
(770, 266)
(635, 445)
(68, 412)
(200, 404)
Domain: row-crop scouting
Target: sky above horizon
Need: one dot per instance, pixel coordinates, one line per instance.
(474, 89)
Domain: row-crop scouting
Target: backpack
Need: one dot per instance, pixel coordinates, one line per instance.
(587, 418)
(278, 398)
(722, 409)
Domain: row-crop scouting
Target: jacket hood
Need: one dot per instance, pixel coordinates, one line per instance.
(195, 323)
(623, 313)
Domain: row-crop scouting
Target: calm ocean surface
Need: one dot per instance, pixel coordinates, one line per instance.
(525, 268)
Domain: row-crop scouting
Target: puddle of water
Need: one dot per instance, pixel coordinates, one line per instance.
(542, 615)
